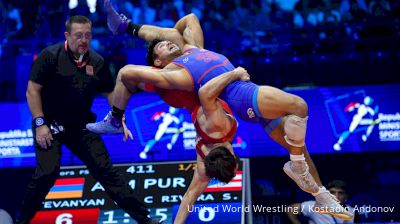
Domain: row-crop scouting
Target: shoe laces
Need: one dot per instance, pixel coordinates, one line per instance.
(333, 197)
(331, 200)
(305, 175)
(108, 117)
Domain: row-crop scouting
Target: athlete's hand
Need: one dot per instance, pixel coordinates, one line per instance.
(242, 74)
(43, 136)
(127, 132)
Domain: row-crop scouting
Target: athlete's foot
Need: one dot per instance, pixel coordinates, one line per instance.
(143, 155)
(117, 23)
(109, 125)
(337, 147)
(299, 172)
(169, 146)
(326, 203)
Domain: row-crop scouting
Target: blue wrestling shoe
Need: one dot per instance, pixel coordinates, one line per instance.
(117, 23)
(109, 125)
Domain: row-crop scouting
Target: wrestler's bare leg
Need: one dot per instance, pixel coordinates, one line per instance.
(120, 97)
(302, 171)
(277, 135)
(274, 103)
(121, 92)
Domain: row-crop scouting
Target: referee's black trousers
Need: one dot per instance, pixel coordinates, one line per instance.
(88, 147)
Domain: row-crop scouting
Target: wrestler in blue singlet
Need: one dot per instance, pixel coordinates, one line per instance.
(203, 65)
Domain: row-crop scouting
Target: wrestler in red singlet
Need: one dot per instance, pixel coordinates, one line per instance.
(190, 101)
(204, 139)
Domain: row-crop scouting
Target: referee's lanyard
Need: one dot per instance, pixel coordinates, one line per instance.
(80, 63)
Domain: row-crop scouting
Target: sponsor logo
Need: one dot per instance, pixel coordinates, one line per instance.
(250, 113)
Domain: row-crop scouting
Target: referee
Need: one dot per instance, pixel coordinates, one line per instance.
(63, 83)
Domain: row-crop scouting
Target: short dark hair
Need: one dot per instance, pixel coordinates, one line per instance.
(340, 184)
(221, 164)
(150, 55)
(76, 19)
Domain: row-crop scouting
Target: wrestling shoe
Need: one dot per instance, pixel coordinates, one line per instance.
(117, 23)
(301, 176)
(109, 125)
(326, 203)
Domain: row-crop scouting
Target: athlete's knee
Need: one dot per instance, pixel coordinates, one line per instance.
(295, 130)
(300, 107)
(119, 77)
(125, 77)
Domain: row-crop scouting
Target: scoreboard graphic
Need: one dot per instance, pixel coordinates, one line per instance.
(77, 198)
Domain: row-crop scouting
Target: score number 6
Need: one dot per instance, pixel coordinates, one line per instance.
(64, 218)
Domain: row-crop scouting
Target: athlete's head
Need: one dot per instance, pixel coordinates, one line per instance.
(78, 33)
(161, 53)
(221, 163)
(338, 188)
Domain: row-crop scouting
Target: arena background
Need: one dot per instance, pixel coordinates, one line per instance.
(333, 53)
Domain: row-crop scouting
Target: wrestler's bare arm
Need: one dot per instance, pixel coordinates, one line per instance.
(189, 27)
(196, 188)
(212, 89)
(167, 78)
(150, 33)
(187, 33)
